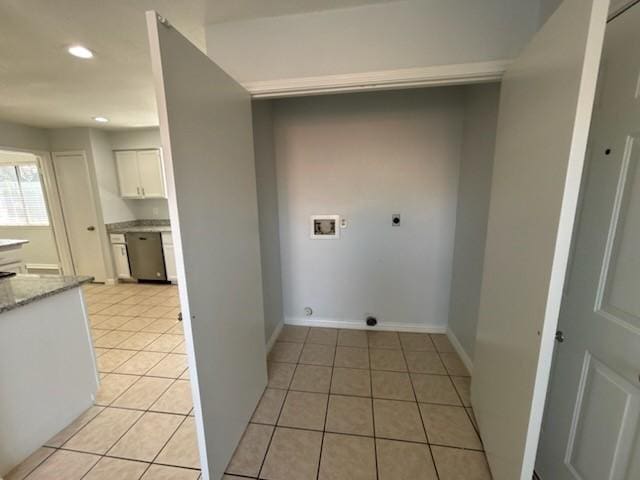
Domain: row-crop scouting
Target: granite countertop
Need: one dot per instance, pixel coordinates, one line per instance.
(11, 242)
(141, 228)
(154, 225)
(23, 289)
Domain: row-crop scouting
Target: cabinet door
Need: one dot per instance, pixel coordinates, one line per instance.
(121, 260)
(151, 174)
(128, 176)
(170, 262)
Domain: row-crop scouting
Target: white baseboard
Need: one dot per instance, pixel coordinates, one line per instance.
(464, 356)
(274, 336)
(111, 281)
(360, 325)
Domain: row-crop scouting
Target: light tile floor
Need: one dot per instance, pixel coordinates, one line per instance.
(340, 404)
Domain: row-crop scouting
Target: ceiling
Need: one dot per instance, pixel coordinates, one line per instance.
(42, 85)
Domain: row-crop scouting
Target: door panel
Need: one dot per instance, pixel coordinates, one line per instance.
(80, 218)
(207, 140)
(591, 427)
(545, 109)
(151, 176)
(128, 177)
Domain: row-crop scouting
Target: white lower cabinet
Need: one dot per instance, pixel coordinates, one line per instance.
(169, 257)
(121, 260)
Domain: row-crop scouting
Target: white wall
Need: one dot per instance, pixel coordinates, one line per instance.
(114, 208)
(13, 135)
(401, 34)
(366, 157)
(267, 190)
(474, 192)
(134, 139)
(41, 248)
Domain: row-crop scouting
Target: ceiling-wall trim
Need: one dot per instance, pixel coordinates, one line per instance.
(454, 74)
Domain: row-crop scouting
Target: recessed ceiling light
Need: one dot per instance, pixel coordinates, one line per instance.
(101, 119)
(80, 51)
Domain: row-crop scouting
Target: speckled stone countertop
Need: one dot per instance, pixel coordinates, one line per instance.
(140, 226)
(23, 289)
(10, 242)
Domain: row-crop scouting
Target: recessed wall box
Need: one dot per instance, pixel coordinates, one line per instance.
(325, 227)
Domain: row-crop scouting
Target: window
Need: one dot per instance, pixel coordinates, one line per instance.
(21, 196)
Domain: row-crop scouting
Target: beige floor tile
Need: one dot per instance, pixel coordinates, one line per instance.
(304, 410)
(96, 333)
(139, 340)
(352, 415)
(442, 343)
(463, 386)
(398, 420)
(383, 340)
(135, 310)
(250, 453)
(312, 378)
(96, 319)
(186, 375)
(352, 357)
(64, 465)
(157, 312)
(449, 426)
(29, 464)
(434, 389)
(116, 469)
(293, 333)
(112, 386)
(324, 336)
(317, 354)
(115, 310)
(453, 364)
(456, 464)
(136, 324)
(100, 351)
(112, 339)
(280, 374)
(351, 381)
(292, 455)
(472, 417)
(353, 338)
(391, 385)
(165, 343)
(176, 399)
(97, 307)
(147, 437)
(424, 362)
(103, 431)
(180, 348)
(143, 393)
(163, 472)
(182, 449)
(416, 342)
(269, 407)
(140, 363)
(285, 352)
(404, 461)
(111, 360)
(386, 359)
(65, 434)
(345, 457)
(177, 329)
(161, 325)
(171, 366)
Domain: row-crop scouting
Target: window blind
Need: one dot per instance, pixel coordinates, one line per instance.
(21, 196)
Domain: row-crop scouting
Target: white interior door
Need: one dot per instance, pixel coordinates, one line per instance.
(592, 418)
(151, 176)
(80, 217)
(545, 109)
(207, 140)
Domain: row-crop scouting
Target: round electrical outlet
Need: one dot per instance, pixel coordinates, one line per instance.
(308, 311)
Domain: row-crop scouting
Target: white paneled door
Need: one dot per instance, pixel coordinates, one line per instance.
(545, 110)
(592, 420)
(207, 140)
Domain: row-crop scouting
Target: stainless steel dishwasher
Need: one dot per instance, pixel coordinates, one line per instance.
(146, 259)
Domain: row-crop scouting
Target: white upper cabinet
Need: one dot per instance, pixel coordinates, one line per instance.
(140, 174)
